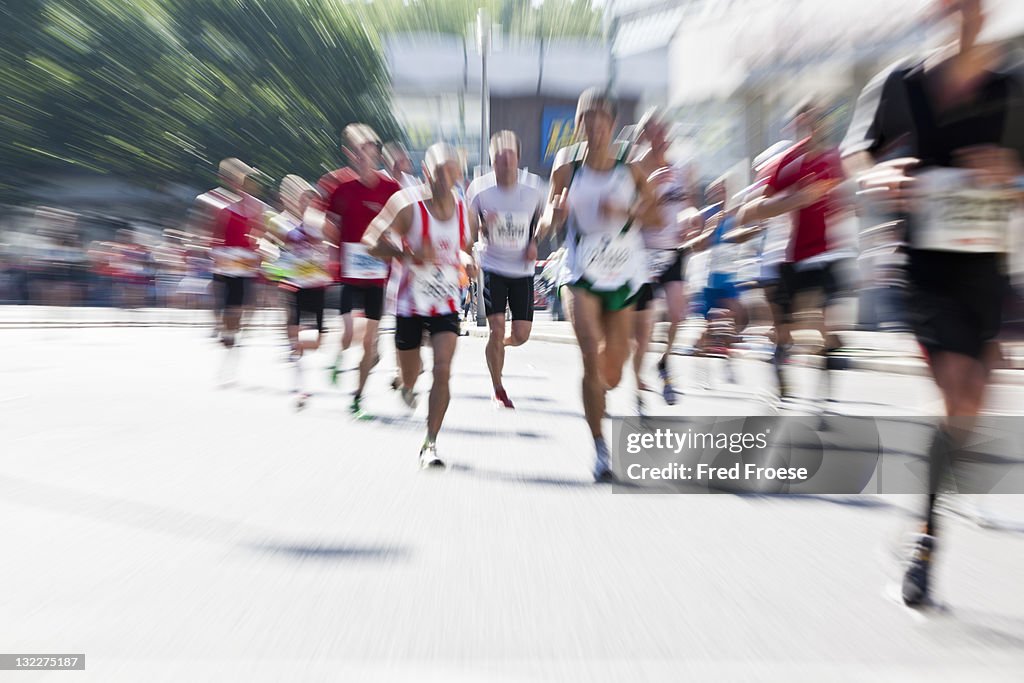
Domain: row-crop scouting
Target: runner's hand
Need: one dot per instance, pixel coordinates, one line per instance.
(469, 263)
(888, 185)
(531, 250)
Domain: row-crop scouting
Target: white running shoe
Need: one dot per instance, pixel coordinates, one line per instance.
(429, 459)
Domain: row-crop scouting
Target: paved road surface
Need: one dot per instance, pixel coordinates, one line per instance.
(175, 530)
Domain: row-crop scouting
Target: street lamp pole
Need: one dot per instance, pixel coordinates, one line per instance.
(483, 36)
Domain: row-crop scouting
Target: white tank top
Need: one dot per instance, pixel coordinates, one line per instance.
(432, 289)
(600, 248)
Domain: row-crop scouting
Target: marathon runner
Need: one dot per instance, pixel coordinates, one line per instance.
(958, 114)
(303, 269)
(806, 184)
(603, 200)
(773, 235)
(204, 215)
(665, 256)
(506, 210)
(399, 165)
(432, 238)
(725, 314)
(400, 168)
(236, 261)
(354, 196)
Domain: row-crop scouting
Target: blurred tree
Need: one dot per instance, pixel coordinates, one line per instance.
(158, 91)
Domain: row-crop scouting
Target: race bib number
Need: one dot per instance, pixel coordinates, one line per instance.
(953, 216)
(611, 261)
(235, 261)
(660, 260)
(359, 265)
(510, 231)
(434, 288)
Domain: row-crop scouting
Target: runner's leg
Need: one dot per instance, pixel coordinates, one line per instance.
(586, 319)
(443, 344)
(495, 350)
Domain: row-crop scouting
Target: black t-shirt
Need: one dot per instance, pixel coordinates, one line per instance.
(896, 116)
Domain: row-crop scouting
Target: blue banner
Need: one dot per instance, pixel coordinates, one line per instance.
(556, 127)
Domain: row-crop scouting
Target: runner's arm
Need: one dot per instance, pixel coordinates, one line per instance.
(646, 208)
(555, 211)
(382, 245)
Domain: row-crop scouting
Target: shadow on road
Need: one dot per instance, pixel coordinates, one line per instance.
(418, 423)
(495, 475)
(316, 551)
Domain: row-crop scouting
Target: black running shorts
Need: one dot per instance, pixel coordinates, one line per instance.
(369, 298)
(409, 330)
(955, 300)
(309, 302)
(234, 290)
(793, 282)
(515, 292)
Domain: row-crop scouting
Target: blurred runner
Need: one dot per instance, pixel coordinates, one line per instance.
(665, 257)
(399, 165)
(773, 234)
(304, 270)
(236, 262)
(960, 116)
(506, 211)
(806, 184)
(432, 238)
(354, 196)
(602, 199)
(400, 168)
(725, 314)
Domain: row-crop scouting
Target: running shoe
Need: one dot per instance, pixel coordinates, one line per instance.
(356, 409)
(501, 397)
(396, 383)
(409, 398)
(669, 393)
(603, 463)
(778, 361)
(428, 457)
(335, 370)
(915, 580)
(302, 400)
(663, 369)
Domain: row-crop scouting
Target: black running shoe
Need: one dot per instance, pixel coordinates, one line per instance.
(915, 580)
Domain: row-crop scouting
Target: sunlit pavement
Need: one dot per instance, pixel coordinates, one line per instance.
(172, 527)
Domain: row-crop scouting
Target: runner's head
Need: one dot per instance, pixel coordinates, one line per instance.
(441, 168)
(296, 194)
(396, 159)
(595, 116)
(362, 147)
(807, 119)
(233, 173)
(505, 149)
(654, 129)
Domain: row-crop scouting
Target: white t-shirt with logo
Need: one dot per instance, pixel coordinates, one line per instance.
(517, 209)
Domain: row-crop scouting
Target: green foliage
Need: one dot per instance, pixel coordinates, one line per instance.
(160, 90)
